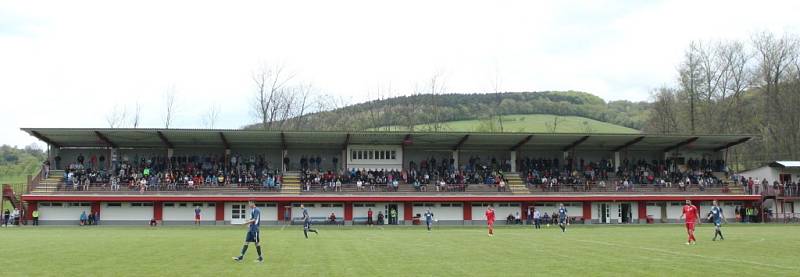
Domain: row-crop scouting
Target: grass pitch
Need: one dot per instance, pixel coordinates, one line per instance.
(760, 250)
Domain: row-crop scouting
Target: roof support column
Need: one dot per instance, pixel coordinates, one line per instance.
(455, 159)
(343, 160)
(616, 160)
(513, 156)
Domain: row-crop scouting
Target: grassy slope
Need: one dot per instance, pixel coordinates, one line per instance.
(402, 251)
(534, 123)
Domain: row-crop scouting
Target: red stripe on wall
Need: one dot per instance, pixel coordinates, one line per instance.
(642, 210)
(587, 210)
(348, 211)
(467, 210)
(158, 210)
(323, 198)
(408, 210)
(220, 214)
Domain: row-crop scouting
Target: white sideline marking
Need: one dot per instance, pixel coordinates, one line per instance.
(689, 254)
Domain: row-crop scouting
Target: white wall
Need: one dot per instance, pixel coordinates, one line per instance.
(178, 213)
(758, 174)
(441, 213)
(319, 211)
(63, 213)
(375, 164)
(359, 212)
(267, 213)
(125, 212)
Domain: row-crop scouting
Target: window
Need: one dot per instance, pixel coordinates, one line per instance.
(513, 204)
(147, 204)
(455, 204)
(369, 205)
(169, 204)
(337, 205)
(238, 211)
(325, 205)
(116, 204)
(267, 205)
(358, 205)
(211, 204)
(502, 204)
(675, 203)
(74, 204)
(136, 204)
(370, 154)
(57, 204)
(444, 205)
(417, 204)
(360, 155)
(44, 204)
(260, 205)
(182, 204)
(429, 205)
(393, 155)
(353, 154)
(197, 204)
(383, 155)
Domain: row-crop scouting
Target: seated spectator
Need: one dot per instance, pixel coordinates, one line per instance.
(83, 218)
(153, 222)
(332, 218)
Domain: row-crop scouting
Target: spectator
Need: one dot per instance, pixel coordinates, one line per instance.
(369, 217)
(97, 218)
(83, 218)
(380, 218)
(15, 215)
(332, 218)
(153, 222)
(35, 218)
(6, 217)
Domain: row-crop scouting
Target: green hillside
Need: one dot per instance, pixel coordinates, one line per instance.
(535, 123)
(426, 110)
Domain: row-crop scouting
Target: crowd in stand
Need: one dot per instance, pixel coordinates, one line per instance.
(764, 187)
(176, 173)
(550, 174)
(425, 175)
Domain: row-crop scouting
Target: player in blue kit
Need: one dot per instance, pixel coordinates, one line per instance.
(429, 219)
(716, 216)
(562, 217)
(307, 222)
(252, 233)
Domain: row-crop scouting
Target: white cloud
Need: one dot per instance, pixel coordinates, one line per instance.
(67, 63)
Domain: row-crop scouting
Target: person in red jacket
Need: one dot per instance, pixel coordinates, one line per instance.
(490, 219)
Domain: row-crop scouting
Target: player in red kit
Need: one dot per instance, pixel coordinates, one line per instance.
(490, 219)
(692, 213)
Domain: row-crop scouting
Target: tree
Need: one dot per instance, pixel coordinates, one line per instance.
(552, 127)
(210, 117)
(688, 75)
(137, 111)
(116, 117)
(170, 107)
(270, 94)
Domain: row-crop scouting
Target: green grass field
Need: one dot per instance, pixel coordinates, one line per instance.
(755, 250)
(536, 123)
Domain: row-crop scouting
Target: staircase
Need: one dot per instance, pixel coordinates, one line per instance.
(8, 194)
(515, 183)
(291, 183)
(50, 184)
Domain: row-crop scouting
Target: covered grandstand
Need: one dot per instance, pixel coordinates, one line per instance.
(164, 173)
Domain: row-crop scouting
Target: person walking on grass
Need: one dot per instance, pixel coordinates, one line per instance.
(252, 233)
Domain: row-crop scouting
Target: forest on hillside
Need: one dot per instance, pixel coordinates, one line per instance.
(741, 87)
(408, 112)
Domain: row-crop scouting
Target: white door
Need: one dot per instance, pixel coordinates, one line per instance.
(238, 213)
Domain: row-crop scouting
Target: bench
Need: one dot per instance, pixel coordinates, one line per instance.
(319, 220)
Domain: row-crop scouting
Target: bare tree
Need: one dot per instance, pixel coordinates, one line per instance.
(496, 87)
(116, 117)
(170, 107)
(436, 86)
(553, 127)
(689, 71)
(270, 96)
(137, 111)
(210, 117)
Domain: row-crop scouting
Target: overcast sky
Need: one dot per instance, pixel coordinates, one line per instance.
(68, 63)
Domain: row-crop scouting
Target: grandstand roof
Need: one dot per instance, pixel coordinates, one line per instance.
(237, 139)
